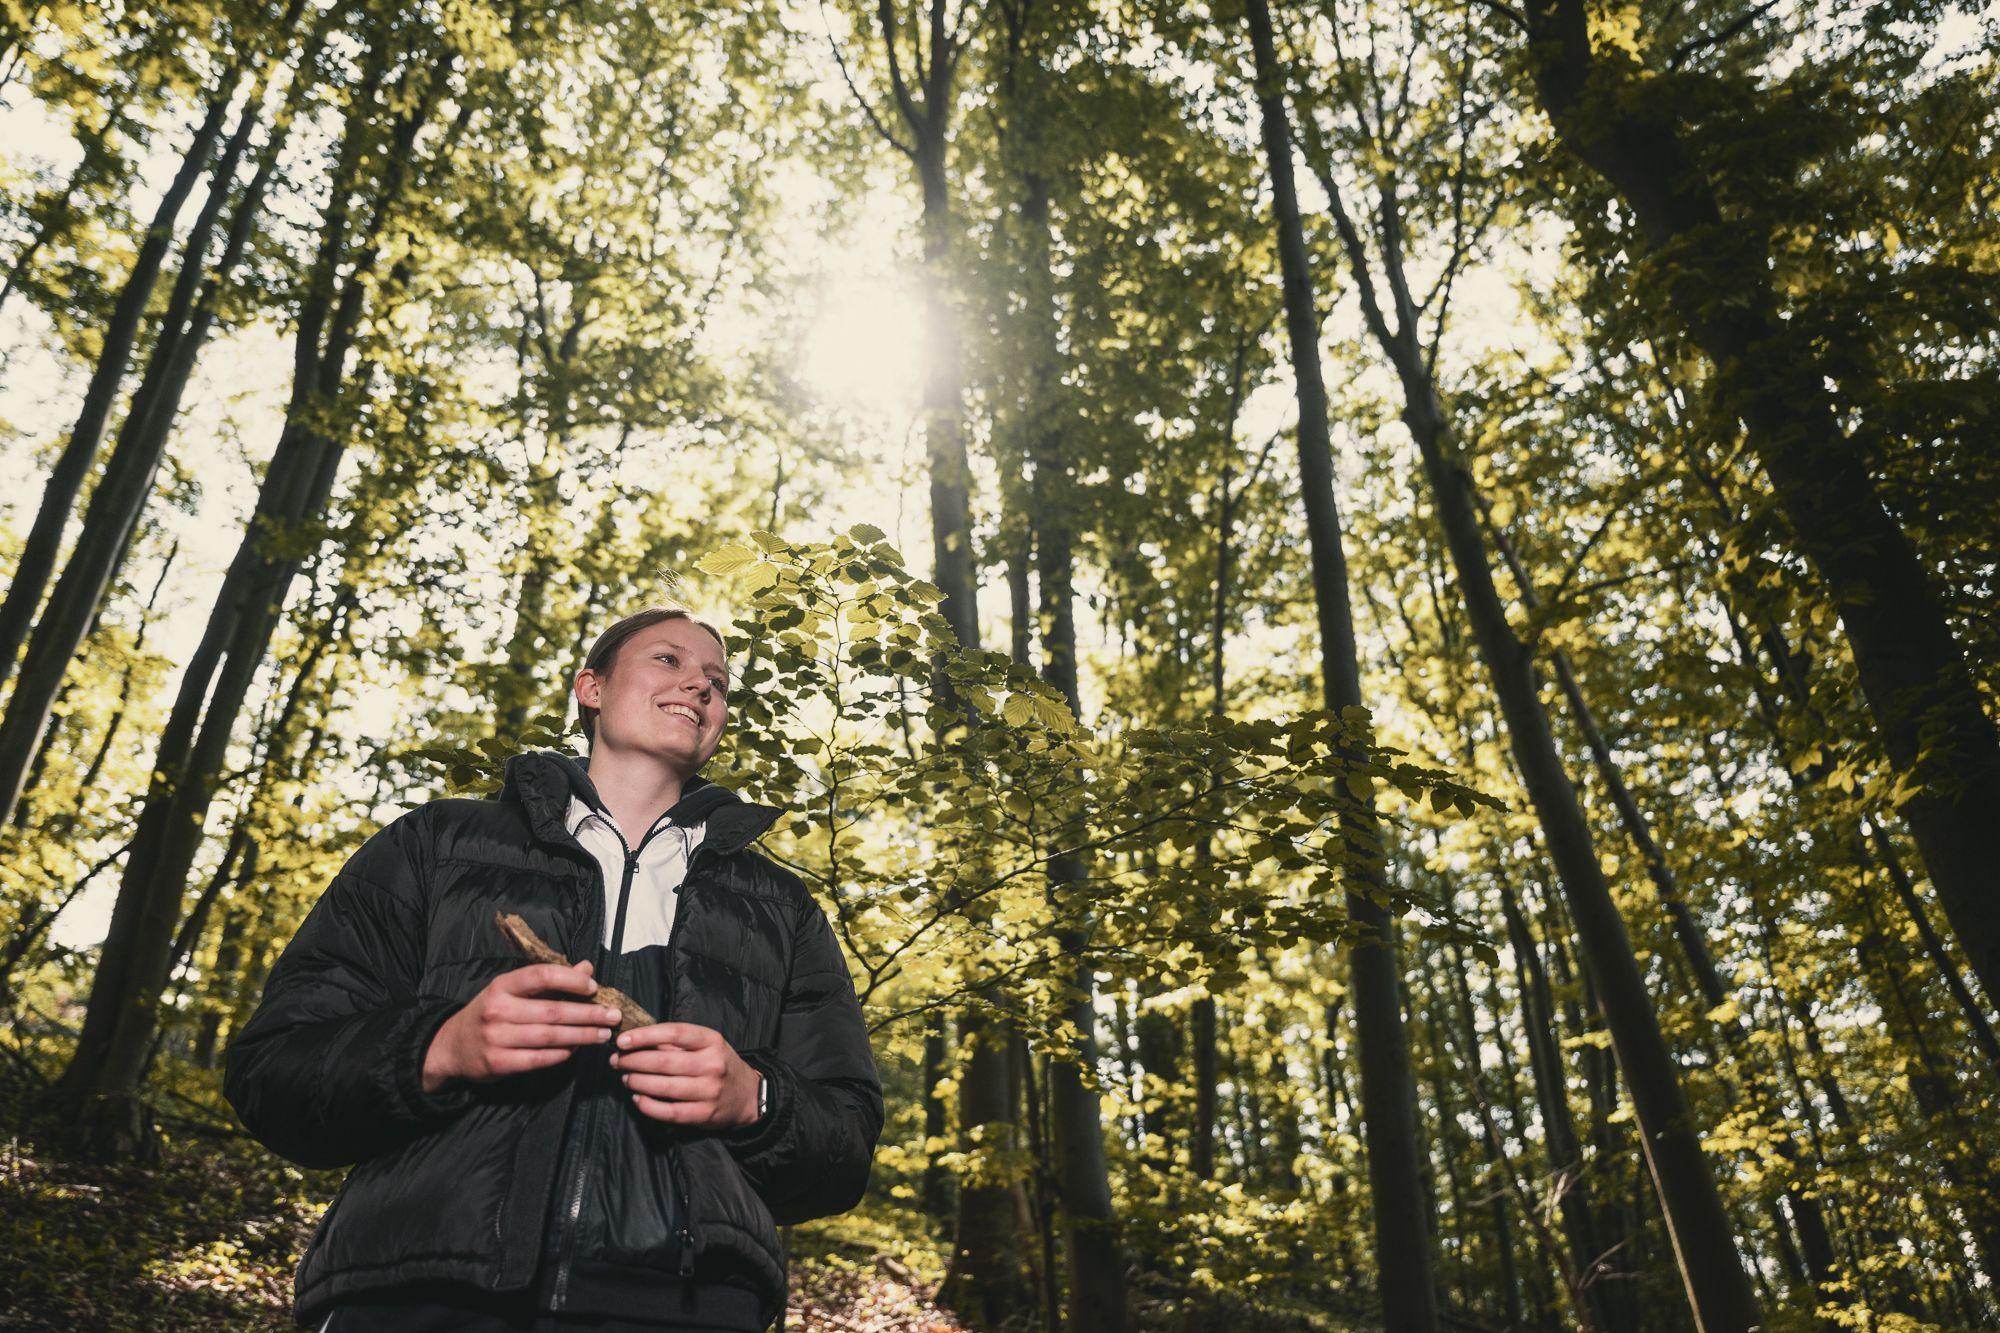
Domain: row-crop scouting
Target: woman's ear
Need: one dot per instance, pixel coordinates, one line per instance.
(589, 689)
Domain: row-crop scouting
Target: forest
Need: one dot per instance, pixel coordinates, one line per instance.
(1373, 619)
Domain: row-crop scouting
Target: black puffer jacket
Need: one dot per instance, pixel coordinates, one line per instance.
(456, 1187)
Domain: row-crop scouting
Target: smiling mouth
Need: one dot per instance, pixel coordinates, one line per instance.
(681, 711)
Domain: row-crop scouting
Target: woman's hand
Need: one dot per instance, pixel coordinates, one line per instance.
(508, 1028)
(685, 1074)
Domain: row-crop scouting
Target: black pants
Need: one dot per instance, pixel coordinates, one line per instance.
(439, 1317)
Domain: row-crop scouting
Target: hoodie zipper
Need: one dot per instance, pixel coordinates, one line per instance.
(607, 964)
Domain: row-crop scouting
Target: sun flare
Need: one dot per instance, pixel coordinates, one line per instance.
(865, 347)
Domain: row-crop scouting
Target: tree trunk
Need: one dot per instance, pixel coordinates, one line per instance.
(944, 409)
(1590, 1251)
(112, 516)
(987, 1230)
(1402, 1234)
(1496, 1151)
(1160, 1083)
(1718, 1287)
(936, 1185)
(1090, 1231)
(101, 1082)
(1936, 1094)
(37, 561)
(1913, 670)
(1906, 894)
(989, 1281)
(1455, 1237)
(1806, 1212)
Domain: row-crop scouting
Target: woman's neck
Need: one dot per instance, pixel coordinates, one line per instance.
(636, 788)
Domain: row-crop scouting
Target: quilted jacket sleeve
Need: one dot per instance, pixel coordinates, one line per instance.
(327, 1071)
(810, 1155)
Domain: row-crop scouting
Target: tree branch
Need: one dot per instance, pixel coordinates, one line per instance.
(847, 77)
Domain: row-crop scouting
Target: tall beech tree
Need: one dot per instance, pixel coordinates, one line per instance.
(921, 54)
(1663, 147)
(127, 480)
(1035, 162)
(369, 180)
(1718, 1287)
(1402, 1230)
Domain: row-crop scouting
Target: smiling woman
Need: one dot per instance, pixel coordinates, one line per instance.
(657, 680)
(865, 346)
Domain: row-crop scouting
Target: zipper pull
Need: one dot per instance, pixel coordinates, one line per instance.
(687, 1253)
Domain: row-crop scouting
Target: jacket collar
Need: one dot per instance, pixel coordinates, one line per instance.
(543, 781)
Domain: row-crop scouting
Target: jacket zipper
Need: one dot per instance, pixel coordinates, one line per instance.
(686, 1236)
(607, 965)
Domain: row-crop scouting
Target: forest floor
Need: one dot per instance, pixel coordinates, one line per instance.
(207, 1237)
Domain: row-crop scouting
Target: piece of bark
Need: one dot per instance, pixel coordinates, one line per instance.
(531, 947)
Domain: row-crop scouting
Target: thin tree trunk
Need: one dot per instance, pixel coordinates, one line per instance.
(1473, 1055)
(1934, 949)
(30, 578)
(1592, 1253)
(1201, 1138)
(1159, 1084)
(112, 516)
(1718, 1287)
(936, 1185)
(1097, 1269)
(1936, 1094)
(1456, 1228)
(1402, 1234)
(1200, 1315)
(990, 1280)
(1688, 932)
(102, 1079)
(986, 1218)
(1044, 1201)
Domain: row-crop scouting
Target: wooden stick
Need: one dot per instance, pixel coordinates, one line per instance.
(531, 947)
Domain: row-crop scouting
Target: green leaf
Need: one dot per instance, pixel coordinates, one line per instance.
(726, 560)
(1054, 715)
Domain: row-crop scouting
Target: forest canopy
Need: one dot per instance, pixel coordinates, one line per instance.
(1372, 620)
